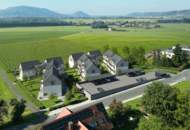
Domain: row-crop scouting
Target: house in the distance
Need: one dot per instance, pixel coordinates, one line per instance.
(52, 83)
(74, 58)
(87, 69)
(95, 56)
(90, 118)
(114, 63)
(168, 53)
(27, 70)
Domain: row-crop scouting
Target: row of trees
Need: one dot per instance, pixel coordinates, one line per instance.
(135, 55)
(183, 20)
(180, 58)
(13, 110)
(169, 108)
(99, 24)
(25, 22)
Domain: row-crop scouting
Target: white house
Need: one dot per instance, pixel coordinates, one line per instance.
(184, 48)
(168, 53)
(28, 70)
(73, 59)
(114, 63)
(87, 69)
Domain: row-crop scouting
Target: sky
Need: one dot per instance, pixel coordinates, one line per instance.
(101, 7)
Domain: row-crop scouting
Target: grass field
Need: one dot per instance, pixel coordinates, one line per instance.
(21, 44)
(183, 86)
(5, 92)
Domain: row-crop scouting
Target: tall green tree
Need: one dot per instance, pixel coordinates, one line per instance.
(118, 113)
(3, 110)
(156, 58)
(106, 47)
(126, 52)
(180, 56)
(18, 108)
(161, 100)
(182, 114)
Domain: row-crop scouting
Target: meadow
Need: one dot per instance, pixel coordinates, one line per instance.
(5, 93)
(22, 44)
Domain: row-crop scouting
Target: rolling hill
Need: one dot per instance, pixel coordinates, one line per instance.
(181, 13)
(28, 11)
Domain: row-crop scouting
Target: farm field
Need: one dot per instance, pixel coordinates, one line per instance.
(22, 44)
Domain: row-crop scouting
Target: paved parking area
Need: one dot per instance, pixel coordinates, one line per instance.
(93, 90)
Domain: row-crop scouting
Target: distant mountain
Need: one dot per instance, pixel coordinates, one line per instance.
(181, 13)
(80, 14)
(27, 11)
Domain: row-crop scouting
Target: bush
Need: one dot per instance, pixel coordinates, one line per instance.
(56, 107)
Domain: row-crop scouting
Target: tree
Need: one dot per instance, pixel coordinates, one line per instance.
(140, 56)
(166, 62)
(118, 113)
(161, 100)
(156, 58)
(115, 50)
(3, 110)
(99, 24)
(137, 56)
(126, 52)
(182, 114)
(180, 56)
(152, 123)
(106, 47)
(18, 108)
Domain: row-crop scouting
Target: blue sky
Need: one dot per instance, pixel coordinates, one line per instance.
(102, 7)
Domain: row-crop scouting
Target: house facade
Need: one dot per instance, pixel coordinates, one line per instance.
(87, 69)
(90, 118)
(73, 59)
(114, 63)
(27, 70)
(52, 83)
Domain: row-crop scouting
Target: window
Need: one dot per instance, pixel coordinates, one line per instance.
(93, 71)
(52, 83)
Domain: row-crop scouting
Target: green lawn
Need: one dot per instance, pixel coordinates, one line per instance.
(183, 86)
(31, 89)
(5, 93)
(135, 104)
(21, 44)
